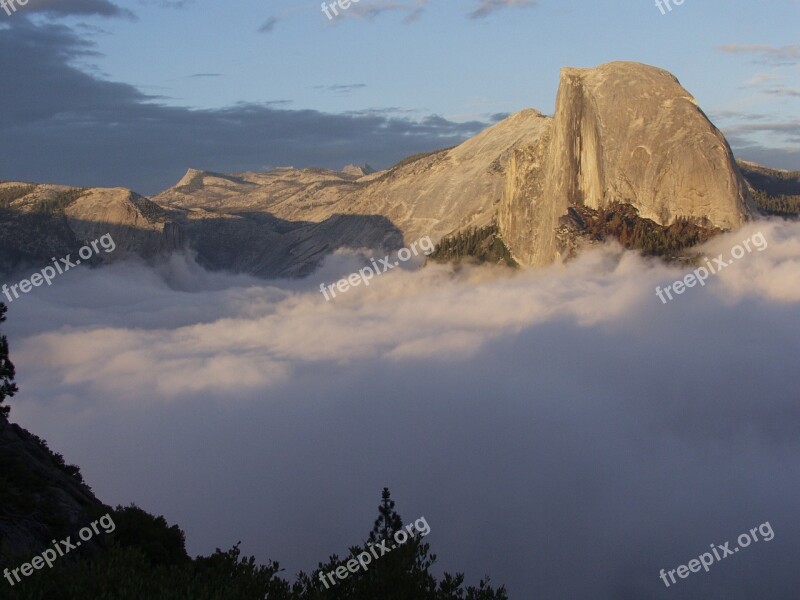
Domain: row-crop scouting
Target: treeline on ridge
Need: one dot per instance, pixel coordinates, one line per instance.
(482, 245)
(621, 221)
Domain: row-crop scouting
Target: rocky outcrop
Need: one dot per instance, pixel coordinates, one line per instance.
(38, 222)
(356, 171)
(137, 225)
(527, 216)
(622, 132)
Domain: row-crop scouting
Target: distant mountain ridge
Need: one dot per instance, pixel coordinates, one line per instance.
(776, 191)
(623, 133)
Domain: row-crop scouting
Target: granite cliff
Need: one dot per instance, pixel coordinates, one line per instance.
(622, 133)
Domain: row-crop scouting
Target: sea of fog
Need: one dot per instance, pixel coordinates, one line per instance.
(561, 430)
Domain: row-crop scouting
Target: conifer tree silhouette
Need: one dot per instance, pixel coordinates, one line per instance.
(7, 386)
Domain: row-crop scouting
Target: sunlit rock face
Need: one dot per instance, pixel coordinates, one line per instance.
(623, 132)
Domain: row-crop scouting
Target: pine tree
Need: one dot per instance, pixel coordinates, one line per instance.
(388, 521)
(405, 572)
(7, 386)
(402, 573)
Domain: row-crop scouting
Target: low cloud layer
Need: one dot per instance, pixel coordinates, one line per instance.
(561, 429)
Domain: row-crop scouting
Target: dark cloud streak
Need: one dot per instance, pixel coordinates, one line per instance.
(269, 25)
(59, 124)
(488, 7)
(62, 8)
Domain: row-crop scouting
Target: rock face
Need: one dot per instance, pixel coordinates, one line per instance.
(283, 222)
(431, 194)
(38, 222)
(357, 171)
(623, 132)
(137, 225)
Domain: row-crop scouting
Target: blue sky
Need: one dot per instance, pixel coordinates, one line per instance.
(427, 72)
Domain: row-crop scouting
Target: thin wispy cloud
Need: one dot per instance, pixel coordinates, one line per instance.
(737, 115)
(341, 88)
(174, 4)
(789, 129)
(387, 111)
(746, 138)
(497, 117)
(269, 25)
(769, 85)
(414, 16)
(765, 54)
(760, 79)
(784, 91)
(766, 138)
(487, 7)
(375, 9)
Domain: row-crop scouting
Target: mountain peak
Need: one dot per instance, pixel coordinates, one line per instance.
(622, 132)
(358, 171)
